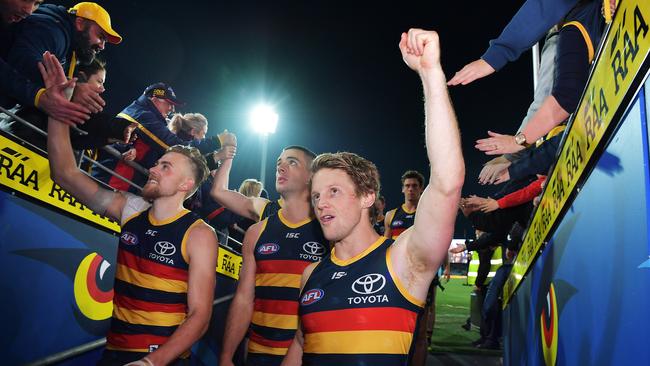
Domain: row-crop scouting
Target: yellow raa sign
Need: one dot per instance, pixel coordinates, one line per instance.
(228, 263)
(624, 52)
(28, 172)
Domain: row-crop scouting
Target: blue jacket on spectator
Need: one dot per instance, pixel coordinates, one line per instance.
(49, 28)
(153, 139)
(530, 23)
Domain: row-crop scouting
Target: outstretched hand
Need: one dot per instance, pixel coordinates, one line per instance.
(420, 49)
(472, 71)
(54, 101)
(498, 144)
(493, 169)
(88, 95)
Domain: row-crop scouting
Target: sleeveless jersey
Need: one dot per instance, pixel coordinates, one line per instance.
(271, 208)
(150, 299)
(401, 220)
(282, 252)
(356, 312)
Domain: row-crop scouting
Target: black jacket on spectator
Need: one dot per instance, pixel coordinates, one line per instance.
(49, 28)
(536, 160)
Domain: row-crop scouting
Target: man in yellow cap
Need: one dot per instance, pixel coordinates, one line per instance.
(74, 36)
(12, 83)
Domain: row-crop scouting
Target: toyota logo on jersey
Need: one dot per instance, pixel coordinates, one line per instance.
(313, 248)
(268, 248)
(369, 284)
(165, 248)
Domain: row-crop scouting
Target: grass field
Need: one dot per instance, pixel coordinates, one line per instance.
(452, 310)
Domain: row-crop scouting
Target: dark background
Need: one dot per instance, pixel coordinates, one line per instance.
(332, 70)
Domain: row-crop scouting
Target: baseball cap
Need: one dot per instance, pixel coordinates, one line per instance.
(163, 91)
(99, 15)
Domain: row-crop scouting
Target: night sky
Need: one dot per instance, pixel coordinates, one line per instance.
(331, 69)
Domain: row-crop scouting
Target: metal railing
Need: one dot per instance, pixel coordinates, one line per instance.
(82, 157)
(87, 347)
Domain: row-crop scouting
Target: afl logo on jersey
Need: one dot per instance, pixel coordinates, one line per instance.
(369, 284)
(268, 248)
(312, 296)
(129, 238)
(397, 223)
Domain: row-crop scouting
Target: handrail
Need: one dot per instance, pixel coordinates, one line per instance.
(33, 127)
(87, 347)
(106, 148)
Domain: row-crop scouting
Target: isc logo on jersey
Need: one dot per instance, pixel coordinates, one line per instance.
(397, 223)
(268, 248)
(313, 251)
(129, 238)
(312, 296)
(367, 287)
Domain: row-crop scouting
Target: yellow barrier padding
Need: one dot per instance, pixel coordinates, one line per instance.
(28, 172)
(625, 49)
(229, 263)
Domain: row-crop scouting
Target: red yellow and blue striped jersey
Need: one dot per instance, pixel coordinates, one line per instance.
(282, 252)
(356, 312)
(150, 281)
(401, 220)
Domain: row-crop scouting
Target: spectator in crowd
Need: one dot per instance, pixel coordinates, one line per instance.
(16, 87)
(149, 113)
(534, 18)
(579, 37)
(74, 36)
(251, 188)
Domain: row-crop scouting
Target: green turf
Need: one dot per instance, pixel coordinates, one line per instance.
(452, 310)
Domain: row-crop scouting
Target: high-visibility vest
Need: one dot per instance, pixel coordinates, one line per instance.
(495, 263)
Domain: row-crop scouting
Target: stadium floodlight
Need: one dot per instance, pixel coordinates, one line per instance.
(264, 120)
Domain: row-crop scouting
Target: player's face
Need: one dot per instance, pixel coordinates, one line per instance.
(336, 205)
(167, 177)
(411, 189)
(292, 171)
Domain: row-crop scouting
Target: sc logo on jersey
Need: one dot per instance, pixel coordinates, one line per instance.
(268, 248)
(312, 296)
(366, 286)
(369, 284)
(314, 251)
(129, 238)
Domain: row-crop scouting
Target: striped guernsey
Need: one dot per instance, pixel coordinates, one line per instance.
(282, 252)
(150, 281)
(356, 312)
